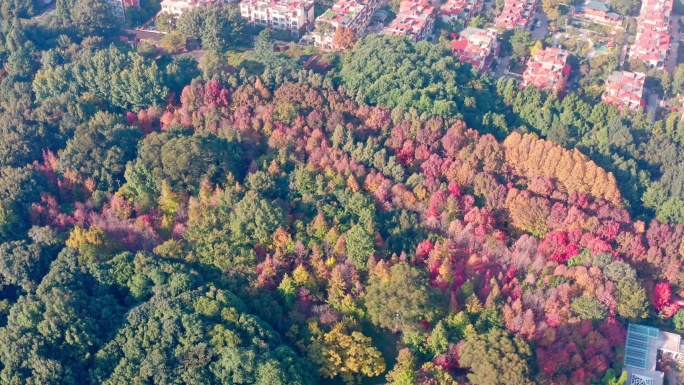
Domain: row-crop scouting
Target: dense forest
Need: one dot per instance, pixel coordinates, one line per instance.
(397, 219)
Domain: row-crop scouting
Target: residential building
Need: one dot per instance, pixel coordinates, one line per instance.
(547, 69)
(652, 40)
(463, 10)
(516, 14)
(292, 15)
(118, 8)
(646, 349)
(625, 89)
(415, 20)
(478, 47)
(596, 12)
(177, 7)
(346, 14)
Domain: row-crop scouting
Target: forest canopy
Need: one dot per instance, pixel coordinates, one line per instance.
(399, 219)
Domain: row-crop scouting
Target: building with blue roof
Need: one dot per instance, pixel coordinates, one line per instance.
(646, 346)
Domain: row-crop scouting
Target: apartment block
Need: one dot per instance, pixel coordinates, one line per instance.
(177, 7)
(292, 15)
(118, 8)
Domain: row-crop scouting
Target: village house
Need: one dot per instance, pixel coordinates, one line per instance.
(290, 15)
(478, 47)
(516, 14)
(346, 14)
(652, 40)
(547, 69)
(596, 12)
(463, 10)
(625, 89)
(415, 20)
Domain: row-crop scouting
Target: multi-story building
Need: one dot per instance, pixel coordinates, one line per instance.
(547, 69)
(415, 20)
(463, 10)
(516, 14)
(625, 89)
(345, 14)
(478, 47)
(177, 7)
(291, 15)
(652, 41)
(596, 12)
(118, 8)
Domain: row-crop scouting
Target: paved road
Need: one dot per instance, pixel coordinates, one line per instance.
(50, 10)
(625, 44)
(652, 106)
(503, 64)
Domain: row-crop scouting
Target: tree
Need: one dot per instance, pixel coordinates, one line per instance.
(632, 301)
(477, 22)
(61, 325)
(626, 7)
(209, 338)
(588, 307)
(19, 8)
(538, 46)
(344, 38)
(349, 355)
(264, 48)
(172, 42)
(165, 22)
(182, 162)
(255, 219)
(100, 150)
(19, 189)
(359, 246)
(401, 301)
(404, 371)
(521, 40)
(23, 264)
(637, 65)
(92, 15)
(219, 28)
(678, 320)
(124, 81)
(496, 358)
(147, 50)
(678, 80)
(392, 81)
(550, 8)
(323, 28)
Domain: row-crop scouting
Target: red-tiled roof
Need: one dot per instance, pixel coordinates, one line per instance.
(625, 89)
(547, 69)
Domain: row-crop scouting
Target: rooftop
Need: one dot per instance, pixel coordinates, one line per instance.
(644, 349)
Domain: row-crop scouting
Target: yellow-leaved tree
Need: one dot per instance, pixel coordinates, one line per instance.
(338, 352)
